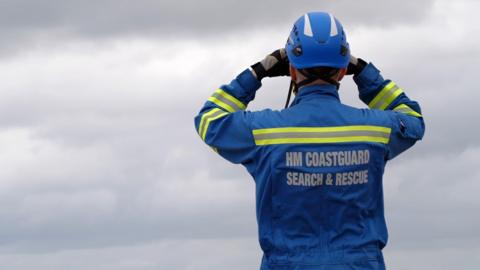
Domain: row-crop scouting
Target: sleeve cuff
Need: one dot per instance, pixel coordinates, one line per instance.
(244, 86)
(248, 81)
(369, 78)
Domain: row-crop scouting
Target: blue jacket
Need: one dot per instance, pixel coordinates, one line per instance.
(317, 166)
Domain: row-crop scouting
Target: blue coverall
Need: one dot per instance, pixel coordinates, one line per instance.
(317, 166)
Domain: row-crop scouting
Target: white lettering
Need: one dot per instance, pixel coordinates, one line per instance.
(351, 178)
(293, 159)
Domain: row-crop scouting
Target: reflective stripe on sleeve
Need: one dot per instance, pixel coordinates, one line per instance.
(207, 117)
(341, 134)
(402, 108)
(388, 94)
(226, 101)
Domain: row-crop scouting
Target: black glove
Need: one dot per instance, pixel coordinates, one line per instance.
(275, 64)
(355, 66)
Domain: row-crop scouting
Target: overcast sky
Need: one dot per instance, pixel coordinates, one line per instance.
(101, 167)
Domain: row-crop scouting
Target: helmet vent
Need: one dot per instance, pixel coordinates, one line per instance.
(307, 27)
(333, 26)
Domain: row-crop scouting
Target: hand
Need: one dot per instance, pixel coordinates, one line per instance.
(275, 64)
(355, 66)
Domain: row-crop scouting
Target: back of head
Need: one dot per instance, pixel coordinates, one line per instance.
(317, 47)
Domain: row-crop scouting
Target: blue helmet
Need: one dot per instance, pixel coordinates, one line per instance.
(318, 40)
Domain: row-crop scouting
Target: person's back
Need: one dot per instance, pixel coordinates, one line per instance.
(324, 162)
(317, 165)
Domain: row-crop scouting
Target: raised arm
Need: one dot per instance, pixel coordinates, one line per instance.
(380, 94)
(223, 123)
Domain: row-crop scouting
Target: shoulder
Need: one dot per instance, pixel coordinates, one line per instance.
(364, 116)
(266, 118)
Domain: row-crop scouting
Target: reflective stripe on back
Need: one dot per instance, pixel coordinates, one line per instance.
(340, 134)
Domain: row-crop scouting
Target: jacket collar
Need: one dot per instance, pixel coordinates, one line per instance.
(328, 91)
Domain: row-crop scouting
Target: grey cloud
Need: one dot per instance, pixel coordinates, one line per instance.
(433, 206)
(109, 16)
(191, 254)
(26, 23)
(128, 192)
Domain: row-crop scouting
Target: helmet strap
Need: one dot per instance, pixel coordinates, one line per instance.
(293, 88)
(310, 78)
(313, 77)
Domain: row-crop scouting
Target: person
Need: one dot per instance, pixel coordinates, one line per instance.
(317, 164)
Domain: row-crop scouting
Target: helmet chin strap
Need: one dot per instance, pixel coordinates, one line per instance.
(310, 78)
(292, 88)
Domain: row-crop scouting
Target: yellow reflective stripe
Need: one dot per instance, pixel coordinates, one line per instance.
(386, 96)
(380, 95)
(322, 129)
(231, 98)
(201, 126)
(226, 101)
(206, 118)
(221, 104)
(322, 140)
(402, 108)
(210, 119)
(340, 134)
(391, 98)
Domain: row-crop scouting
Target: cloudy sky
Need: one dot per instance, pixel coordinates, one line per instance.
(101, 168)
